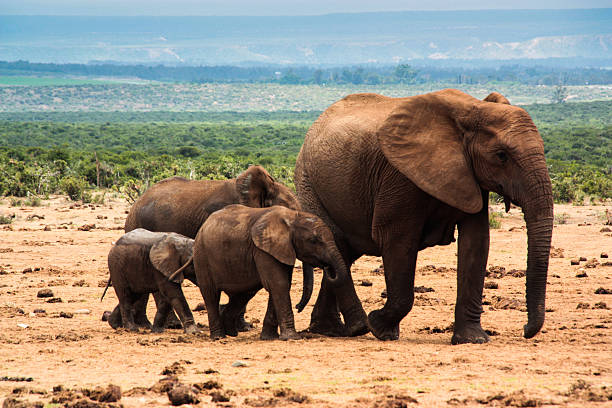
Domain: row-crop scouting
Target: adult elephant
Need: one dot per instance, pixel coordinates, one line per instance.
(180, 205)
(392, 176)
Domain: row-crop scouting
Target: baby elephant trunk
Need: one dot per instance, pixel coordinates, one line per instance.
(307, 290)
(335, 273)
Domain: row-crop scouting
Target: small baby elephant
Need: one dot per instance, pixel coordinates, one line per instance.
(140, 263)
(241, 249)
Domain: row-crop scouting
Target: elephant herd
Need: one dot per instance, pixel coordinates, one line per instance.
(376, 176)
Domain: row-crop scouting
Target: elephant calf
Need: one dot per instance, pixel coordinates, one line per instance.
(140, 263)
(241, 249)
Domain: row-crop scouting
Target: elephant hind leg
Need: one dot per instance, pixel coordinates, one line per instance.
(140, 312)
(233, 311)
(400, 266)
(269, 330)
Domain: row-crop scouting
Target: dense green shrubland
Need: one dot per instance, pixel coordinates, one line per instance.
(43, 157)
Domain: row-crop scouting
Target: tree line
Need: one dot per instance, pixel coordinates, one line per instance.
(366, 74)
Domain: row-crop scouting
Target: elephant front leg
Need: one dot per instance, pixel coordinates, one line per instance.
(399, 262)
(163, 308)
(172, 322)
(173, 293)
(472, 255)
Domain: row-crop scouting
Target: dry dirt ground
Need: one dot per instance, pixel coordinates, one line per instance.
(55, 352)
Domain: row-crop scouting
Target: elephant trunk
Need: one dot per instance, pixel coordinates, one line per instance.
(307, 289)
(538, 211)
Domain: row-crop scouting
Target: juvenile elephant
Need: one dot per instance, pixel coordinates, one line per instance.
(392, 176)
(180, 205)
(140, 263)
(239, 250)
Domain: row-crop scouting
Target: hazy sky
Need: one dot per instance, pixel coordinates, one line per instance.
(268, 7)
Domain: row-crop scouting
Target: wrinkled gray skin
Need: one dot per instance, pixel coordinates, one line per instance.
(239, 250)
(180, 205)
(392, 176)
(140, 263)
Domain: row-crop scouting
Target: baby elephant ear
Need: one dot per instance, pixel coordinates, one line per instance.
(272, 234)
(166, 258)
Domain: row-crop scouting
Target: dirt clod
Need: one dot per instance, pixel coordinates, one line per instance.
(208, 385)
(164, 385)
(603, 291)
(200, 306)
(491, 285)
(219, 396)
(600, 305)
(575, 261)
(54, 300)
(15, 403)
(182, 394)
(112, 393)
(66, 315)
(603, 255)
(173, 369)
(290, 395)
(583, 305)
(423, 289)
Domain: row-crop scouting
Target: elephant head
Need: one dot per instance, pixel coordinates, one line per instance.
(454, 147)
(256, 188)
(169, 253)
(287, 235)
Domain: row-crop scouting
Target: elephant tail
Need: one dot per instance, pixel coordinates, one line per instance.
(106, 288)
(307, 289)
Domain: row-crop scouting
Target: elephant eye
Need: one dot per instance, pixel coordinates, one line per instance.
(502, 156)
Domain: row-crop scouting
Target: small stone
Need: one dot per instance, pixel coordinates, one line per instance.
(45, 293)
(365, 282)
(575, 261)
(23, 325)
(27, 270)
(581, 273)
(55, 300)
(239, 363)
(82, 311)
(39, 311)
(605, 229)
(66, 315)
(47, 228)
(582, 259)
(603, 255)
(423, 289)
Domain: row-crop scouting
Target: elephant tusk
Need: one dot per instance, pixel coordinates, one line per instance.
(181, 269)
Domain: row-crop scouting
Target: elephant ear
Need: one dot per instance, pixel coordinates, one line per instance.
(272, 234)
(253, 186)
(497, 98)
(423, 139)
(166, 258)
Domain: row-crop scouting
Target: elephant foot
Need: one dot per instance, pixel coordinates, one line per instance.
(358, 328)
(216, 335)
(172, 322)
(290, 335)
(327, 329)
(380, 328)
(157, 329)
(242, 325)
(269, 334)
(470, 334)
(106, 315)
(192, 329)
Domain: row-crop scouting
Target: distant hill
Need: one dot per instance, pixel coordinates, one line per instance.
(334, 39)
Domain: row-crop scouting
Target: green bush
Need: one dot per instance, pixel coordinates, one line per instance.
(495, 219)
(73, 187)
